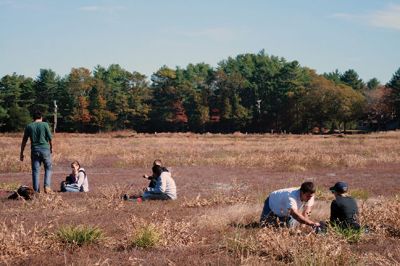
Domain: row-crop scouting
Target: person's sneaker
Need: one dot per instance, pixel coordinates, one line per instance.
(48, 190)
(139, 200)
(125, 197)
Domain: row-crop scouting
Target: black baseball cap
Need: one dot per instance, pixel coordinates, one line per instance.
(339, 187)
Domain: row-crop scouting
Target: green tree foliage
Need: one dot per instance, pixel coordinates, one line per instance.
(126, 96)
(195, 84)
(167, 104)
(138, 96)
(10, 89)
(268, 88)
(18, 118)
(350, 78)
(233, 115)
(45, 88)
(394, 85)
(3, 118)
(66, 103)
(373, 84)
(14, 90)
(249, 92)
(100, 118)
(334, 76)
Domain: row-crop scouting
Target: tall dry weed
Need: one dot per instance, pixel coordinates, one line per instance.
(216, 199)
(170, 234)
(16, 241)
(382, 216)
(108, 197)
(283, 246)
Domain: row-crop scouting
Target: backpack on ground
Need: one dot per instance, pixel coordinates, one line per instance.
(24, 192)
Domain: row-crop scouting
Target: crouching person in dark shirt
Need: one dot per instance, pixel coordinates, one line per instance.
(344, 210)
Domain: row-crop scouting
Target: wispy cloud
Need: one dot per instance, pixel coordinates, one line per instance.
(388, 17)
(101, 8)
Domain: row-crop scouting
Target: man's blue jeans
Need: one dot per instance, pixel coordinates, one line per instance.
(268, 217)
(38, 156)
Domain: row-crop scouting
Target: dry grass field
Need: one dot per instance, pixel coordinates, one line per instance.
(222, 182)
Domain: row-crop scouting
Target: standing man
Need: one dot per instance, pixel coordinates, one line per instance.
(289, 206)
(41, 148)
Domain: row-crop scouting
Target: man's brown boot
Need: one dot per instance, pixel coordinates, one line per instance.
(48, 190)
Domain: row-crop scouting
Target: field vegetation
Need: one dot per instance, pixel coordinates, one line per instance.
(222, 182)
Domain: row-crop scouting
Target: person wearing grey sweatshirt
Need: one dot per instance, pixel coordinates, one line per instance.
(165, 188)
(77, 181)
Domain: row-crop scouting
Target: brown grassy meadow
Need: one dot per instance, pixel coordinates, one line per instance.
(222, 181)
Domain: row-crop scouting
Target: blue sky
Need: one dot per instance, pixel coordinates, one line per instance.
(143, 35)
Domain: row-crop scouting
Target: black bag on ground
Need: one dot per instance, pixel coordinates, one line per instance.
(70, 179)
(24, 192)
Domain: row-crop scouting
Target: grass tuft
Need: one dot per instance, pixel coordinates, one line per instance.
(360, 194)
(351, 235)
(80, 235)
(146, 237)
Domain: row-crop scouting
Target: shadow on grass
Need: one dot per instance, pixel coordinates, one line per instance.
(251, 225)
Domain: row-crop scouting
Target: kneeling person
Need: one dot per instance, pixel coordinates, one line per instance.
(289, 206)
(165, 187)
(344, 210)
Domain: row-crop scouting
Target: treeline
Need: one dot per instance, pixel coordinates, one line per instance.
(252, 93)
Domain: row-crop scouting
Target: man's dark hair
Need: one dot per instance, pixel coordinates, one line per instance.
(308, 187)
(157, 170)
(37, 114)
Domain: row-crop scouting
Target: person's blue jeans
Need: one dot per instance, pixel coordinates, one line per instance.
(39, 156)
(71, 188)
(266, 211)
(147, 195)
(268, 217)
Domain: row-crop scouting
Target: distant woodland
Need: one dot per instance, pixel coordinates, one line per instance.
(248, 93)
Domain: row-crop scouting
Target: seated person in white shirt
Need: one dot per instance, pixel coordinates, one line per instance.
(77, 181)
(165, 187)
(289, 206)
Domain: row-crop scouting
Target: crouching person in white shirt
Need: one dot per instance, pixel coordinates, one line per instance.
(165, 188)
(289, 207)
